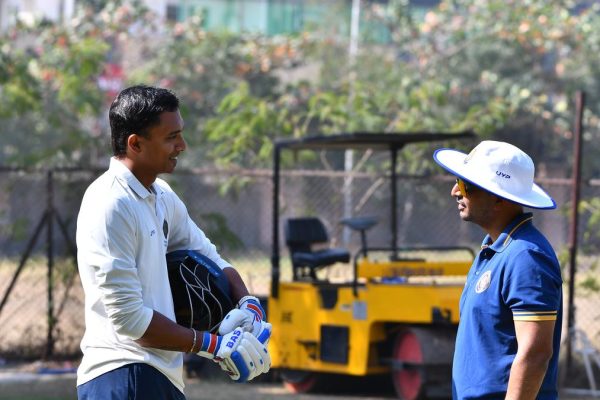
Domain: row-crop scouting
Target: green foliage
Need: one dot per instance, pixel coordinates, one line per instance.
(217, 73)
(590, 283)
(215, 226)
(20, 92)
(503, 71)
(506, 70)
(589, 211)
(408, 86)
(246, 134)
(19, 229)
(48, 82)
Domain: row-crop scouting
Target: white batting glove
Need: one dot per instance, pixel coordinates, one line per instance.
(243, 319)
(238, 353)
(250, 359)
(249, 315)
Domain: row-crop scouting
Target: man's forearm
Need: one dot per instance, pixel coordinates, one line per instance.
(236, 284)
(164, 334)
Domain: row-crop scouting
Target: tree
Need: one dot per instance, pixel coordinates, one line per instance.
(507, 70)
(215, 73)
(48, 81)
(504, 69)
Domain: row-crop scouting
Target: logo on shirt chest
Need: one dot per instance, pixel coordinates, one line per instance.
(484, 282)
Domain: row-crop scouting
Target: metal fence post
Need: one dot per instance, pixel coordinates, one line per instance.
(50, 253)
(575, 195)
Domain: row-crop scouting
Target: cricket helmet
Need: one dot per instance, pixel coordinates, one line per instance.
(200, 290)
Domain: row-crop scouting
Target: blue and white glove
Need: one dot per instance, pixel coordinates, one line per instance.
(241, 355)
(249, 315)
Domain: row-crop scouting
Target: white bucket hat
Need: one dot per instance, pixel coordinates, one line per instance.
(501, 169)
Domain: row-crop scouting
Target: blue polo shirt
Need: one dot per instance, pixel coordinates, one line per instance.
(515, 278)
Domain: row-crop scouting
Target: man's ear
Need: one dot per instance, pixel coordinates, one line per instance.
(498, 202)
(133, 143)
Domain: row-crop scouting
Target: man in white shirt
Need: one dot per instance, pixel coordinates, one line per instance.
(129, 219)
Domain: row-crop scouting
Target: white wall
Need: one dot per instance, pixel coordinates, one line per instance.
(29, 10)
(159, 7)
(8, 10)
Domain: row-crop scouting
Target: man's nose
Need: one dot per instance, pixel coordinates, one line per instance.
(455, 191)
(182, 145)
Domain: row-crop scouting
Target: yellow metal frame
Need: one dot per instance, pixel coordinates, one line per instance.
(379, 304)
(373, 269)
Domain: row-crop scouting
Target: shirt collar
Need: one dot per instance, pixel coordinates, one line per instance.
(506, 236)
(124, 175)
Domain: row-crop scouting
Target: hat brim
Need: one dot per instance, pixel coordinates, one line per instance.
(453, 161)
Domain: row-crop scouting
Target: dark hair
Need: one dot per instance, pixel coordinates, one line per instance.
(135, 110)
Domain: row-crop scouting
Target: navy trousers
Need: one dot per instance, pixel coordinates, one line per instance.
(136, 381)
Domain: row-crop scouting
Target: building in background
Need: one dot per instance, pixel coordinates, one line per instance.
(29, 11)
(273, 17)
(261, 16)
(269, 17)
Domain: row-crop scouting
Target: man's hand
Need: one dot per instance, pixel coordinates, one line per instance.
(252, 304)
(238, 353)
(249, 315)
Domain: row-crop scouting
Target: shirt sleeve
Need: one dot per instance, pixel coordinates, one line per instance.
(186, 235)
(112, 257)
(533, 287)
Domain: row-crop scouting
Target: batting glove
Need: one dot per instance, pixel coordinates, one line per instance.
(249, 315)
(241, 355)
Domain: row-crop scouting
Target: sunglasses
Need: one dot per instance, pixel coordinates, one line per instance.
(465, 187)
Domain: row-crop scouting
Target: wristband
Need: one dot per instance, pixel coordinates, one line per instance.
(210, 343)
(247, 297)
(194, 342)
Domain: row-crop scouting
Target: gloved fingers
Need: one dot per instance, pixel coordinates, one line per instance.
(236, 318)
(257, 357)
(249, 363)
(250, 341)
(240, 318)
(244, 363)
(264, 352)
(264, 333)
(230, 368)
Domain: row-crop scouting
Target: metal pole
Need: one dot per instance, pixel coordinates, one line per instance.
(275, 253)
(28, 250)
(354, 30)
(73, 250)
(2, 15)
(575, 195)
(50, 253)
(61, 12)
(349, 154)
(394, 190)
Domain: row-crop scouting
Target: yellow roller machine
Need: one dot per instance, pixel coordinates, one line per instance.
(396, 315)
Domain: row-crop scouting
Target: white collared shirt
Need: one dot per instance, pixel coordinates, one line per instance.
(124, 231)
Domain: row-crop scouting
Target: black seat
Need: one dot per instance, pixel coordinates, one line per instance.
(362, 225)
(300, 235)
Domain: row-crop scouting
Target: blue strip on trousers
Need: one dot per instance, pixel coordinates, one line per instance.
(131, 382)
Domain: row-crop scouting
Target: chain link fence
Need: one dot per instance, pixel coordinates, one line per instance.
(235, 210)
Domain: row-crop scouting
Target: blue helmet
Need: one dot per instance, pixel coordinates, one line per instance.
(200, 290)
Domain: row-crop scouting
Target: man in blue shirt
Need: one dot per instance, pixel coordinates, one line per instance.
(508, 337)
